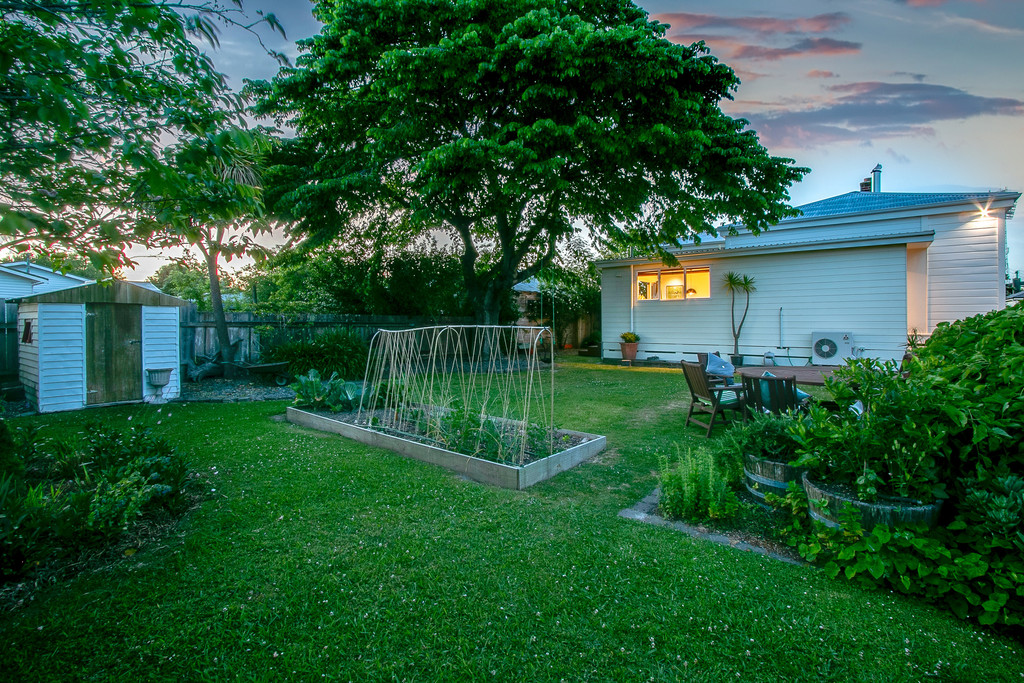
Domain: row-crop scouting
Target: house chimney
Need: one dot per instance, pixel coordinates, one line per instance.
(865, 185)
(876, 178)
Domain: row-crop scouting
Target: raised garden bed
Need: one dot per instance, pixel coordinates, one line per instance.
(499, 474)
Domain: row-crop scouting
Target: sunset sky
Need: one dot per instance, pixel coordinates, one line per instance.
(931, 89)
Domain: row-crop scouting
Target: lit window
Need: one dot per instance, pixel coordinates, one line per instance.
(673, 284)
(698, 283)
(647, 285)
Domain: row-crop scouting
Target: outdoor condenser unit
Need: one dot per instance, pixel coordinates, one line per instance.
(831, 348)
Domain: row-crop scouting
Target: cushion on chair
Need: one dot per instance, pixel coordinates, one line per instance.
(728, 398)
(801, 396)
(720, 367)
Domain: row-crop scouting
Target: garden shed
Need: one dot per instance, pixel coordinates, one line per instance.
(111, 342)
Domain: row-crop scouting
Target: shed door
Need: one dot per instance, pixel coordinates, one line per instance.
(113, 342)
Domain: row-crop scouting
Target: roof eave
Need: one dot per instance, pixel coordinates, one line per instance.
(788, 247)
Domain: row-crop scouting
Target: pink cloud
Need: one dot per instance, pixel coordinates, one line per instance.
(818, 73)
(821, 23)
(730, 48)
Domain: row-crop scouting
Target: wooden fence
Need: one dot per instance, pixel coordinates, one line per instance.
(254, 334)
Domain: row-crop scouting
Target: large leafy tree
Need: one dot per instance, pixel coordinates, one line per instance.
(512, 125)
(422, 282)
(218, 207)
(89, 93)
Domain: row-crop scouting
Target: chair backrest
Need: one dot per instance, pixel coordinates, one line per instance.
(770, 394)
(702, 358)
(697, 380)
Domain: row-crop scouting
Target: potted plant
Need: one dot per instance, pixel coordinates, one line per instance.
(628, 345)
(767, 446)
(886, 461)
(737, 283)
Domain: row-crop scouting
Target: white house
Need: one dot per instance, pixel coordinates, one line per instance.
(852, 275)
(98, 344)
(25, 278)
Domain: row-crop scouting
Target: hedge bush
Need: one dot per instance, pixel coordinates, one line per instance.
(339, 352)
(957, 409)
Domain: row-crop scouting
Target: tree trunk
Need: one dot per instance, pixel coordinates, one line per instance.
(488, 310)
(227, 352)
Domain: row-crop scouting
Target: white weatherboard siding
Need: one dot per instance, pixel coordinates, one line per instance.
(28, 354)
(15, 285)
(61, 338)
(965, 267)
(862, 291)
(160, 341)
(615, 298)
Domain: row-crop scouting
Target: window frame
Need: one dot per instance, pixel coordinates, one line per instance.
(662, 289)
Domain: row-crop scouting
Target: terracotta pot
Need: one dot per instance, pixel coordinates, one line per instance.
(768, 476)
(893, 512)
(628, 350)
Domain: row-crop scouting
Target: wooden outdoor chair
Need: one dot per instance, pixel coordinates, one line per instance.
(770, 394)
(716, 400)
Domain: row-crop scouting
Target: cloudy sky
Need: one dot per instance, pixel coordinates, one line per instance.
(931, 89)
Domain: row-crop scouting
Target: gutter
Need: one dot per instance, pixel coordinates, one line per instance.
(784, 247)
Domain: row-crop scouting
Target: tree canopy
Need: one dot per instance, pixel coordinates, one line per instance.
(89, 93)
(511, 125)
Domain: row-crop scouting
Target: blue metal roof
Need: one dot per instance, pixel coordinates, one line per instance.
(864, 202)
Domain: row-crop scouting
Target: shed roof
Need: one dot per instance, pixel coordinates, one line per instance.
(108, 292)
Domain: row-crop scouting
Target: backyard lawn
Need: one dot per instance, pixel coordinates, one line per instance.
(313, 557)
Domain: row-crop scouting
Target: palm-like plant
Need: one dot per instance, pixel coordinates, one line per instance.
(735, 283)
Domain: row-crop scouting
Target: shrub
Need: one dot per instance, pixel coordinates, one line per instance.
(899, 445)
(11, 460)
(982, 359)
(951, 419)
(766, 436)
(83, 488)
(695, 489)
(340, 352)
(333, 394)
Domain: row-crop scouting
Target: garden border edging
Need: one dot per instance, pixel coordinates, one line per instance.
(477, 469)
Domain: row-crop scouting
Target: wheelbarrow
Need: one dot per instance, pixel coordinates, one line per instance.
(276, 371)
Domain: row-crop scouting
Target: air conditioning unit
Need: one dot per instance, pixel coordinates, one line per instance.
(831, 348)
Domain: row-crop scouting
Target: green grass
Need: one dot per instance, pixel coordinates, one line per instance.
(316, 558)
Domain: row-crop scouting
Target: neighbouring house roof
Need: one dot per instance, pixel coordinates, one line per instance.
(531, 285)
(145, 285)
(12, 272)
(41, 272)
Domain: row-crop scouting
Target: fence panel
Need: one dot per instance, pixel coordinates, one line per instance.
(253, 334)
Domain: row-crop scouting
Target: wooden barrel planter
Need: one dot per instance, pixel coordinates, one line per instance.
(768, 476)
(893, 512)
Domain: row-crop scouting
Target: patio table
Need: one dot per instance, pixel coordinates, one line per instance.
(813, 375)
